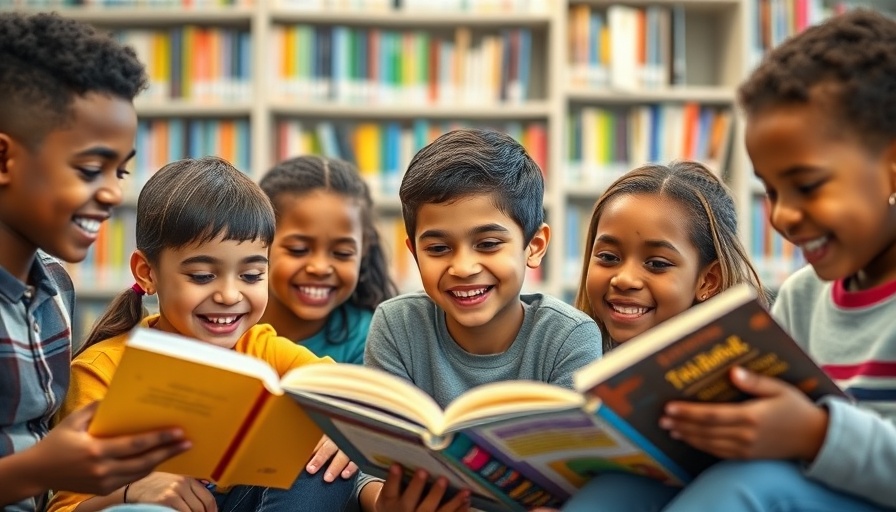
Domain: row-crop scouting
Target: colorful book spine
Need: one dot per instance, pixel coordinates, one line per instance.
(607, 141)
(406, 66)
(383, 149)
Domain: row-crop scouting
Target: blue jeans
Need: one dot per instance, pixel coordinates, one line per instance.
(309, 493)
(732, 486)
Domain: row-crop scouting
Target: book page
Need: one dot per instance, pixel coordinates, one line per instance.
(368, 386)
(499, 399)
(561, 451)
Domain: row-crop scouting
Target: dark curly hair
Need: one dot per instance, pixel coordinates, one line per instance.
(853, 55)
(46, 61)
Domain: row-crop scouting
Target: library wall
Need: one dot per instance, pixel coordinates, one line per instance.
(592, 88)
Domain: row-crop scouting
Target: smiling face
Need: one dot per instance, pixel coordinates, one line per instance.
(315, 260)
(213, 291)
(472, 260)
(827, 192)
(56, 197)
(644, 268)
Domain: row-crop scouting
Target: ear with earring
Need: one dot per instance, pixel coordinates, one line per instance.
(704, 296)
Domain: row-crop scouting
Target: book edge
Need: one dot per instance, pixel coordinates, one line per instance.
(662, 335)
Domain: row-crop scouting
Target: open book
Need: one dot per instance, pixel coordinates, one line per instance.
(505, 441)
(521, 444)
(243, 428)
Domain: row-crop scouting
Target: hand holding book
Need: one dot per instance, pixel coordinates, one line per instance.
(780, 422)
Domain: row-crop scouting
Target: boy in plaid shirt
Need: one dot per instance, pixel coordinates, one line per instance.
(67, 129)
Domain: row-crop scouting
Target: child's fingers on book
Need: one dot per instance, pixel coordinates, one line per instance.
(80, 419)
(756, 384)
(430, 502)
(458, 503)
(726, 442)
(161, 445)
(392, 485)
(322, 453)
(349, 470)
(414, 490)
(339, 464)
(701, 433)
(705, 414)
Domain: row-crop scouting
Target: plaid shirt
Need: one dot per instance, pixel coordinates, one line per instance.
(35, 356)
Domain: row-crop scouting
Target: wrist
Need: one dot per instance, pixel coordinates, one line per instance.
(369, 496)
(28, 472)
(817, 431)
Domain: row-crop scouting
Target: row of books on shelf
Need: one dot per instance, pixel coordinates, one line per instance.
(195, 62)
(776, 20)
(478, 6)
(187, 4)
(603, 141)
(163, 140)
(382, 150)
(345, 63)
(627, 47)
(315, 5)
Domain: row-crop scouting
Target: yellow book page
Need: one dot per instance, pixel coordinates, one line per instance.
(274, 452)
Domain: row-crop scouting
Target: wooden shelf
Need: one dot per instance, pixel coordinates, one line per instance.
(688, 4)
(528, 110)
(415, 19)
(141, 16)
(187, 108)
(706, 95)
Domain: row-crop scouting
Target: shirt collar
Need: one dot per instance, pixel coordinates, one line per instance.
(13, 290)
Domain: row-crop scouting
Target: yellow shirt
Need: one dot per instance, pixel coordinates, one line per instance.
(93, 368)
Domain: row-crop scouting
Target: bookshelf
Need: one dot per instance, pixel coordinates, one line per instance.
(363, 80)
(647, 81)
